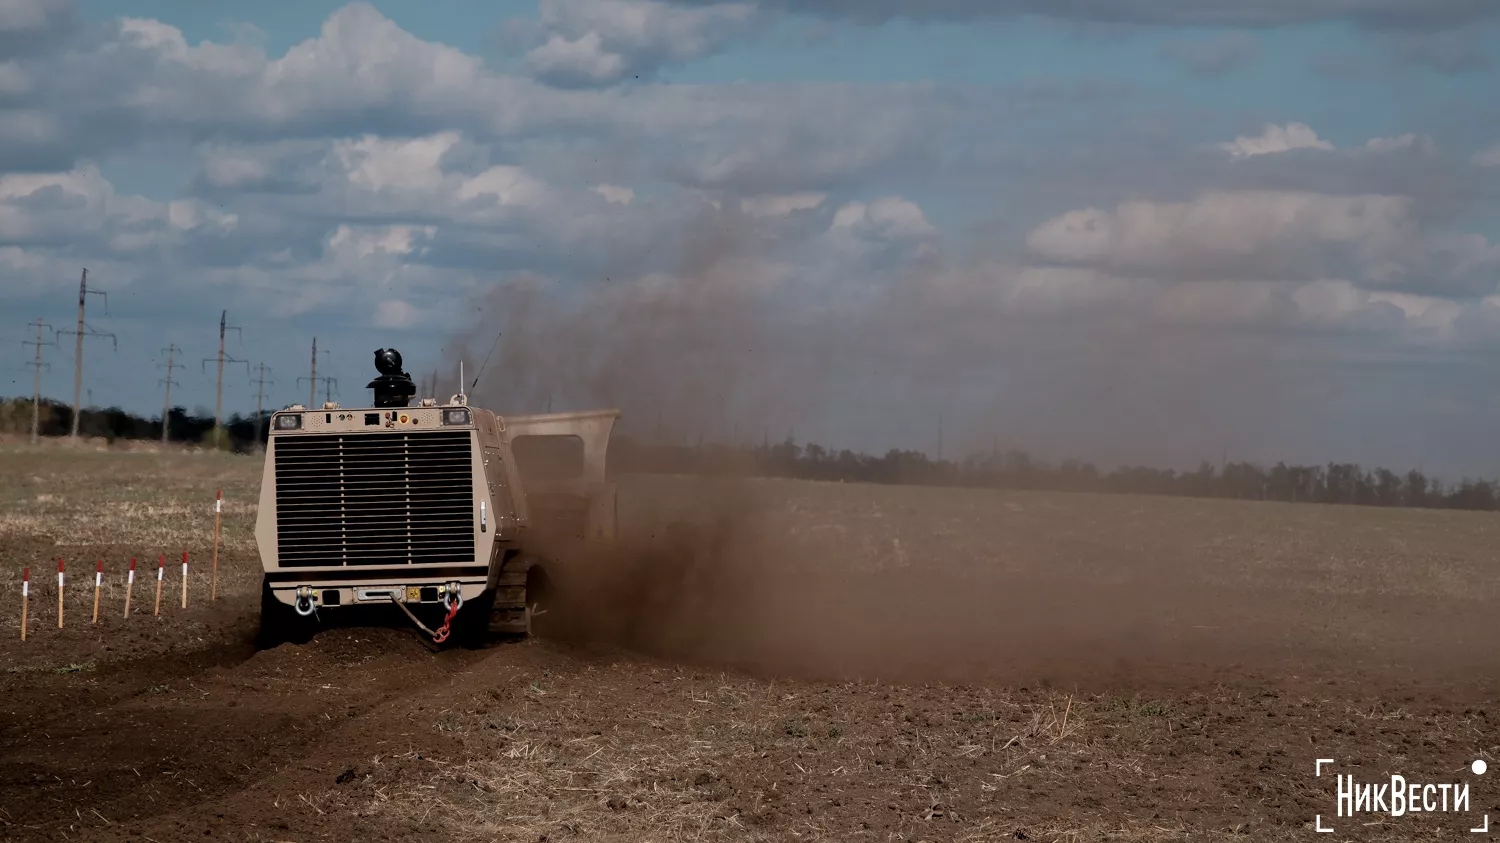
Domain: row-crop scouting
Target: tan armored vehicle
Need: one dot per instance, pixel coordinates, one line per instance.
(433, 509)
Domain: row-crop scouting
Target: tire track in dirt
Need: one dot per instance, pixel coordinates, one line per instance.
(394, 727)
(195, 731)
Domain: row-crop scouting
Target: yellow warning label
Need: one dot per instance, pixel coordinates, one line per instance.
(413, 594)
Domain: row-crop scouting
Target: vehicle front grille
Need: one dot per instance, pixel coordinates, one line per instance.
(374, 499)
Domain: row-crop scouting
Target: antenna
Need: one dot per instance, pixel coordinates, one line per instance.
(486, 362)
(219, 395)
(84, 330)
(36, 384)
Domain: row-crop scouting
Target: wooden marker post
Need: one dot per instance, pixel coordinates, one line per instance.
(213, 592)
(98, 583)
(161, 573)
(129, 584)
(25, 598)
(184, 579)
(59, 594)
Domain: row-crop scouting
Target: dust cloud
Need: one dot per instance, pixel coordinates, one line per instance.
(712, 573)
(696, 354)
(726, 347)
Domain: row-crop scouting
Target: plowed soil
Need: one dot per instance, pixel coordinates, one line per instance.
(795, 662)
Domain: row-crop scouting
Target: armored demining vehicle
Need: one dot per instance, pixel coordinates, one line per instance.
(435, 510)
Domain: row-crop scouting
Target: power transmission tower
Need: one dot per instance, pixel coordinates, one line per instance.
(312, 381)
(260, 392)
(84, 330)
(223, 358)
(36, 383)
(166, 401)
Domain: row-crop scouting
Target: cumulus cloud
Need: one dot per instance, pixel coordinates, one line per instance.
(1276, 139)
(614, 193)
(1488, 157)
(1409, 141)
(31, 26)
(780, 205)
(597, 42)
(138, 81)
(1375, 240)
(888, 218)
(81, 206)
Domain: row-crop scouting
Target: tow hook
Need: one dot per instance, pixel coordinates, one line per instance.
(304, 604)
(453, 597)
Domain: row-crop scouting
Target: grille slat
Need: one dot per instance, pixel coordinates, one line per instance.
(375, 499)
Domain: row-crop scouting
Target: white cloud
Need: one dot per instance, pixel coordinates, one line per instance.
(1489, 157)
(395, 313)
(362, 243)
(771, 205)
(1276, 139)
(377, 164)
(364, 78)
(1225, 233)
(581, 58)
(886, 218)
(1409, 141)
(30, 16)
(82, 204)
(602, 41)
(505, 185)
(614, 193)
(228, 169)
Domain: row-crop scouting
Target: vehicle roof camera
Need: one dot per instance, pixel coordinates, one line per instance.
(394, 388)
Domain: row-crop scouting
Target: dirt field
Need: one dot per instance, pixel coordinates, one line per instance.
(807, 662)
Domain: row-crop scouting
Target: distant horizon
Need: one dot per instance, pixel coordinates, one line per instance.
(1052, 462)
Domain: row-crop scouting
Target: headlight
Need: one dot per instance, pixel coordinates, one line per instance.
(459, 416)
(290, 421)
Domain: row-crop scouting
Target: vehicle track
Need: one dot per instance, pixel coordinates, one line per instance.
(156, 736)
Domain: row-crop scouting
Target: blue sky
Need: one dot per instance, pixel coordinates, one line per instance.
(1134, 230)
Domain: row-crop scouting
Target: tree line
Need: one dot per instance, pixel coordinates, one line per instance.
(1336, 483)
(55, 419)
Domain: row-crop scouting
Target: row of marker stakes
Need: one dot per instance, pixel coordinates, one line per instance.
(161, 572)
(130, 583)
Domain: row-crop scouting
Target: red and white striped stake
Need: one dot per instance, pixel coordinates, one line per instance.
(161, 572)
(129, 585)
(184, 579)
(213, 592)
(59, 594)
(25, 598)
(98, 582)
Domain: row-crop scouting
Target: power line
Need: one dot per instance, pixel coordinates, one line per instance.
(223, 358)
(166, 401)
(313, 380)
(36, 383)
(260, 392)
(84, 330)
